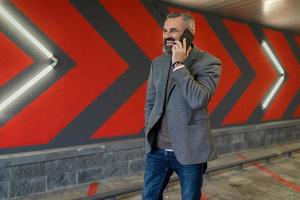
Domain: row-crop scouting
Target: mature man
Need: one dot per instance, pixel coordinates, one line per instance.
(178, 135)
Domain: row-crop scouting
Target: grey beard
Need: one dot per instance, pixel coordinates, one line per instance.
(167, 49)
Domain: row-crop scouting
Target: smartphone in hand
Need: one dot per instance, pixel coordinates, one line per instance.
(189, 38)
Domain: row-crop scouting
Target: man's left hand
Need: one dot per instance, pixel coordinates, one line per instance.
(179, 52)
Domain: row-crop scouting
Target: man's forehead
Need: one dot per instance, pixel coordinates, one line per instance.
(176, 22)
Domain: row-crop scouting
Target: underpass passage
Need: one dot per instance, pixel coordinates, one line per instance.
(279, 179)
(275, 178)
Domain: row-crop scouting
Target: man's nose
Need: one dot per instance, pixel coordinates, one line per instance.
(167, 34)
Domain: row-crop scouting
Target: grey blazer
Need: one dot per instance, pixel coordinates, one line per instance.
(191, 90)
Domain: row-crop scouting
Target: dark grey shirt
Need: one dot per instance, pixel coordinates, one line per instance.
(163, 139)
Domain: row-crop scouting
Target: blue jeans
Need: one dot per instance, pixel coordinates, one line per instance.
(160, 165)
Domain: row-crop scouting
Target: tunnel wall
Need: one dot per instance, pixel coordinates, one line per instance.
(95, 96)
(97, 91)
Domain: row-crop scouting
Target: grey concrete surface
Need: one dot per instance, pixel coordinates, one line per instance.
(30, 173)
(278, 179)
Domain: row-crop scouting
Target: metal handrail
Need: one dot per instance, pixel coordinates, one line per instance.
(139, 187)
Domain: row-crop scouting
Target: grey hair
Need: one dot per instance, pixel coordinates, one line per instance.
(187, 18)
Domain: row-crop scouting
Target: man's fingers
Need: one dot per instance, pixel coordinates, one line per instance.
(174, 46)
(178, 43)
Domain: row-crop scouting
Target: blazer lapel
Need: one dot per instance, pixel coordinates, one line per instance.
(164, 66)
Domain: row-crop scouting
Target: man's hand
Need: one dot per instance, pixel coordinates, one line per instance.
(179, 52)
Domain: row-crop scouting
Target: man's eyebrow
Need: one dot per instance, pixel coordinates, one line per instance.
(171, 29)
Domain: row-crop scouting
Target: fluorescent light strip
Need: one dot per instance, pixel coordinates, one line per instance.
(279, 81)
(26, 87)
(25, 32)
(273, 92)
(44, 50)
(273, 57)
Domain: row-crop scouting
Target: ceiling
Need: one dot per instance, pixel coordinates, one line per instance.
(283, 14)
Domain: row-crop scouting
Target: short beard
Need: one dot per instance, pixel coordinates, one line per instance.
(167, 49)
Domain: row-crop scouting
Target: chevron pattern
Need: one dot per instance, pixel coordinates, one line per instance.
(105, 49)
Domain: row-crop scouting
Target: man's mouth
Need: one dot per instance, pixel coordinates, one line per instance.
(169, 42)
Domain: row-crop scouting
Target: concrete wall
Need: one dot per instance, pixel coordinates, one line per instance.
(105, 51)
(101, 79)
(24, 174)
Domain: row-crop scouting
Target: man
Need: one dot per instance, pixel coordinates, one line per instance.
(178, 136)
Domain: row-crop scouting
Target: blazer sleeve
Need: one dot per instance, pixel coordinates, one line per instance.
(150, 95)
(198, 89)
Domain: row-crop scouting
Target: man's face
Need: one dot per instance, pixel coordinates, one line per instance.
(172, 30)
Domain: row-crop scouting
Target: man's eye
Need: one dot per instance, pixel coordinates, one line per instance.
(171, 31)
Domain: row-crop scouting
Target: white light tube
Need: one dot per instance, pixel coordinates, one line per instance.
(24, 88)
(273, 57)
(273, 92)
(25, 33)
(43, 49)
(281, 74)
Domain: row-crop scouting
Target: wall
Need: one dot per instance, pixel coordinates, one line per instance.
(104, 50)
(96, 93)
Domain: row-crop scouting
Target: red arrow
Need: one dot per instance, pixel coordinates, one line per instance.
(290, 88)
(98, 65)
(134, 18)
(12, 61)
(148, 38)
(265, 75)
(129, 118)
(207, 40)
(297, 112)
(297, 38)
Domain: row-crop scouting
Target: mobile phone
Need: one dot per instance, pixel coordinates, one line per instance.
(189, 38)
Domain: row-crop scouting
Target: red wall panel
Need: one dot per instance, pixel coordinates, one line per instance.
(12, 61)
(98, 65)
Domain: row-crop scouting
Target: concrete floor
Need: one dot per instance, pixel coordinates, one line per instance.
(279, 179)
